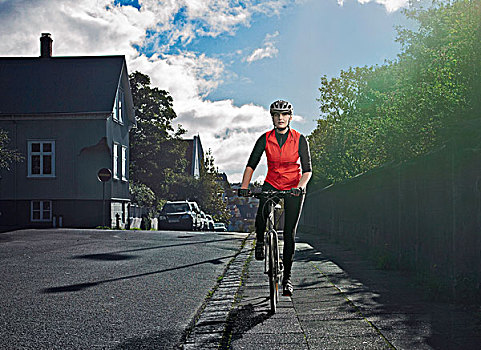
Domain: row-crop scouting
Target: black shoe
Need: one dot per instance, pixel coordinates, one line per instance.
(287, 288)
(260, 251)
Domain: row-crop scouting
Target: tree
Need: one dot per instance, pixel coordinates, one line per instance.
(142, 195)
(404, 108)
(7, 156)
(158, 155)
(213, 201)
(155, 159)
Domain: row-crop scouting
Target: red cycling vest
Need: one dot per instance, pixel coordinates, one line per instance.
(283, 164)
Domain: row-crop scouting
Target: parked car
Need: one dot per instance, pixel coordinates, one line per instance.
(220, 227)
(179, 215)
(210, 222)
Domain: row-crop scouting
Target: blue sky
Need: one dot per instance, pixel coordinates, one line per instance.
(223, 61)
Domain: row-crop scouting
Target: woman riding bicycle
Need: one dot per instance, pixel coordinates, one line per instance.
(289, 168)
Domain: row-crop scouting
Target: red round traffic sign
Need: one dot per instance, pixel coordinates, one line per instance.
(104, 174)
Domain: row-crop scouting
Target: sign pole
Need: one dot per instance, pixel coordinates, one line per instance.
(103, 203)
(104, 175)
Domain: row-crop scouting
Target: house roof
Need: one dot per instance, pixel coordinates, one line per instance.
(60, 85)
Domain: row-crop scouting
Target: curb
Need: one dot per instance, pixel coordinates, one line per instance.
(208, 326)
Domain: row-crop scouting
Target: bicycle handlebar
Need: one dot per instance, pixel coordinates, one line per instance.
(270, 193)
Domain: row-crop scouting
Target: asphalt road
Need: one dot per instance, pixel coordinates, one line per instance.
(87, 289)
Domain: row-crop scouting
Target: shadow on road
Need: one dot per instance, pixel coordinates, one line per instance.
(81, 286)
(107, 257)
(119, 255)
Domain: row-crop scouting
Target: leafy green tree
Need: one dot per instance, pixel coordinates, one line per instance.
(441, 63)
(404, 108)
(7, 156)
(142, 195)
(155, 159)
(213, 201)
(158, 155)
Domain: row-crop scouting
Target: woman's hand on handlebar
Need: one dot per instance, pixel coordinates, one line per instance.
(297, 191)
(244, 192)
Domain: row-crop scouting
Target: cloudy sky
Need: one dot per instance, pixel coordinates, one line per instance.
(223, 61)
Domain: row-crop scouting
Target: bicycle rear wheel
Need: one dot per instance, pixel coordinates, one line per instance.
(272, 273)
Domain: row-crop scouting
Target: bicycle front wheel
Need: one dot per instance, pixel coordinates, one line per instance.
(273, 283)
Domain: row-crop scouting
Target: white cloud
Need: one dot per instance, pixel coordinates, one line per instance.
(267, 51)
(78, 27)
(390, 5)
(230, 131)
(98, 27)
(184, 20)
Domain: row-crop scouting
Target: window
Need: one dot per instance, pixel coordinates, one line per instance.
(116, 111)
(115, 167)
(41, 158)
(119, 106)
(41, 211)
(124, 163)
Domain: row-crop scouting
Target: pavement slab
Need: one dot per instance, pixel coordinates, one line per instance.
(398, 308)
(333, 307)
(318, 316)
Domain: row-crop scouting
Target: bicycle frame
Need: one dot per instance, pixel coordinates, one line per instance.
(272, 263)
(271, 236)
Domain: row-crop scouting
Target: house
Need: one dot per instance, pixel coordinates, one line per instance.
(69, 117)
(221, 180)
(194, 155)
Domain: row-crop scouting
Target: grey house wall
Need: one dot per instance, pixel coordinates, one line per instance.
(68, 100)
(119, 198)
(82, 147)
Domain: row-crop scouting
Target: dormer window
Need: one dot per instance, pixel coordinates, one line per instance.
(118, 115)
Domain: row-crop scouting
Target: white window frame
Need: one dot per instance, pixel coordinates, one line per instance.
(119, 106)
(42, 155)
(41, 205)
(124, 163)
(115, 111)
(115, 161)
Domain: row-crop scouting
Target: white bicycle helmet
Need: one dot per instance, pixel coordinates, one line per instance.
(280, 106)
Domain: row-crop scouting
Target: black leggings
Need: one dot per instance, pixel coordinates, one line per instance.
(292, 211)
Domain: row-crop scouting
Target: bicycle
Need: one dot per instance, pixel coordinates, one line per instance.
(272, 262)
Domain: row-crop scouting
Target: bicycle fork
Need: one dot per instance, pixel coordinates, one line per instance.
(271, 240)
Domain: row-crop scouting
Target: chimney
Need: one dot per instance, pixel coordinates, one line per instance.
(46, 45)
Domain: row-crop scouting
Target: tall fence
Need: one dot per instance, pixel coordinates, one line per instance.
(422, 215)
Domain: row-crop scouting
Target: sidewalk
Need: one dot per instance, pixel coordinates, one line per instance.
(353, 307)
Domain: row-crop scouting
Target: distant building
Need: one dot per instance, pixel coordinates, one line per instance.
(224, 184)
(195, 156)
(69, 117)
